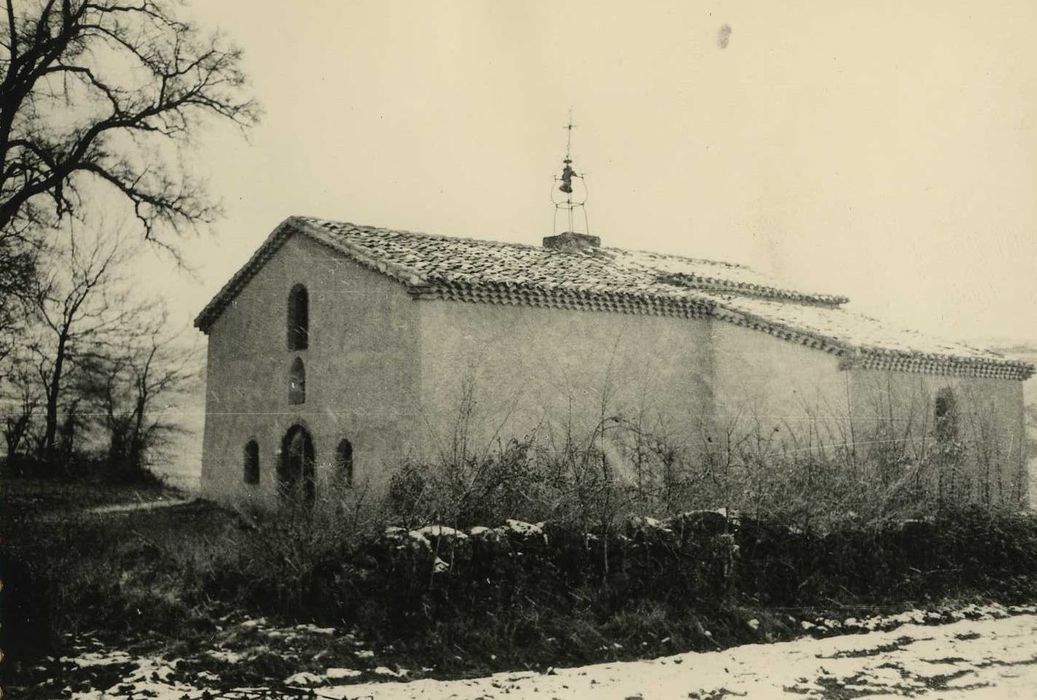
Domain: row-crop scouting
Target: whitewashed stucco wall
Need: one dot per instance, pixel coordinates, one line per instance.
(771, 383)
(547, 370)
(989, 422)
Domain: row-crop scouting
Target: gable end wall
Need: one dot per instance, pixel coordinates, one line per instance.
(361, 372)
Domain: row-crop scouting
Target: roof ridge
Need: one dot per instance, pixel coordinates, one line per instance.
(677, 256)
(518, 244)
(424, 234)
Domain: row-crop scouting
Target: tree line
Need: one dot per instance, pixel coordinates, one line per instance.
(99, 103)
(95, 365)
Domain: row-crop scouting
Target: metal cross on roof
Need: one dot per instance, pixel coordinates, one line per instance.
(569, 205)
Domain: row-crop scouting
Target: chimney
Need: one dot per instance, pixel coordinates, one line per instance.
(571, 242)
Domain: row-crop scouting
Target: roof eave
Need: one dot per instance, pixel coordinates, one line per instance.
(290, 226)
(691, 304)
(859, 357)
(208, 315)
(935, 363)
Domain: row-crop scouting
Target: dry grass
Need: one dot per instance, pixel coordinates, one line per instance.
(182, 580)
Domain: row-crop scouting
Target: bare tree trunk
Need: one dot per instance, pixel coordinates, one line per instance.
(53, 393)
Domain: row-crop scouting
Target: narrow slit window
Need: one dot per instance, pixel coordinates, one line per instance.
(344, 462)
(297, 382)
(298, 318)
(946, 417)
(251, 462)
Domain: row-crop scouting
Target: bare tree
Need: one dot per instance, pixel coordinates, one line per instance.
(20, 397)
(81, 311)
(109, 91)
(17, 272)
(139, 384)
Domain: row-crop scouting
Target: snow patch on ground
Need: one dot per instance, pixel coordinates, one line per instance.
(96, 658)
(152, 678)
(968, 659)
(226, 656)
(983, 655)
(337, 674)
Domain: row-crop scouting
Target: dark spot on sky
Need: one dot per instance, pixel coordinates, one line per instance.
(724, 36)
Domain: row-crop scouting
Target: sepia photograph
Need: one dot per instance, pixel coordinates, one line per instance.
(400, 350)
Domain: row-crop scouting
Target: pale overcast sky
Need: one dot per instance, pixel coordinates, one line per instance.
(885, 150)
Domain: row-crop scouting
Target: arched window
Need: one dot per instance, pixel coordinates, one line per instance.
(297, 382)
(298, 318)
(945, 414)
(344, 462)
(251, 462)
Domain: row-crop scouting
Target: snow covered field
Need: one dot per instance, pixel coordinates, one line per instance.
(987, 658)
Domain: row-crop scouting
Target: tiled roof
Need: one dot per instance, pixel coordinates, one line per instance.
(611, 279)
(449, 261)
(862, 341)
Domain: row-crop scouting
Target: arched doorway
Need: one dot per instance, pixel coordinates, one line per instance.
(295, 472)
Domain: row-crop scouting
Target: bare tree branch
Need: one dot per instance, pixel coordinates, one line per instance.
(86, 59)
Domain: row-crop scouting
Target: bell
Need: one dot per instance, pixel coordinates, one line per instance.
(567, 179)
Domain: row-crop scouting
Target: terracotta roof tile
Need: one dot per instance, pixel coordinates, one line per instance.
(611, 279)
(441, 259)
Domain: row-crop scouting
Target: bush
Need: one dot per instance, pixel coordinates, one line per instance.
(414, 581)
(508, 594)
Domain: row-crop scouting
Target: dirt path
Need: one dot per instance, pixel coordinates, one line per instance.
(138, 506)
(969, 659)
